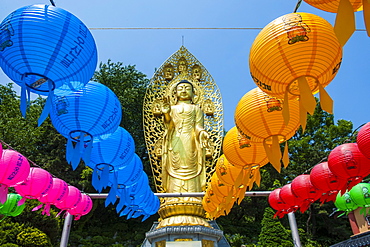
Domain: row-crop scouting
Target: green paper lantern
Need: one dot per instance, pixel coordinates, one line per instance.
(10, 207)
(345, 203)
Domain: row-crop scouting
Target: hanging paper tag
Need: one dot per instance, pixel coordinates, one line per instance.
(286, 155)
(306, 96)
(344, 22)
(302, 116)
(326, 102)
(286, 112)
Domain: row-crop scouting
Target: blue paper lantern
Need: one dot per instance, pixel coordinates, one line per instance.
(92, 112)
(43, 47)
(109, 154)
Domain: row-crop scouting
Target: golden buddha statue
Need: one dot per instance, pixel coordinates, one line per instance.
(184, 143)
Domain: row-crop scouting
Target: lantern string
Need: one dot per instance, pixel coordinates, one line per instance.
(297, 6)
(52, 3)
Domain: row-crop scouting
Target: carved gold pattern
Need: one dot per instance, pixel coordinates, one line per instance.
(160, 243)
(181, 64)
(207, 243)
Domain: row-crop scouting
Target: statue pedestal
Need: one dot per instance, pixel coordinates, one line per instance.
(189, 236)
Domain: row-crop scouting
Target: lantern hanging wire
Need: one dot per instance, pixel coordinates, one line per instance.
(296, 7)
(52, 2)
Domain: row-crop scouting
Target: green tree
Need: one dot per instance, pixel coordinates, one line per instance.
(273, 233)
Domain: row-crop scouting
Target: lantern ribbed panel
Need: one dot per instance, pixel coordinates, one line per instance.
(347, 161)
(292, 46)
(287, 196)
(324, 179)
(226, 172)
(345, 203)
(130, 173)
(208, 205)
(37, 184)
(10, 207)
(56, 193)
(219, 188)
(14, 168)
(213, 197)
(275, 201)
(139, 190)
(259, 117)
(363, 140)
(303, 188)
(83, 207)
(332, 5)
(360, 194)
(117, 150)
(93, 110)
(73, 198)
(240, 152)
(42, 41)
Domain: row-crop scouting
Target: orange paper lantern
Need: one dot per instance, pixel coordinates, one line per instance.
(241, 152)
(261, 123)
(227, 173)
(291, 58)
(345, 20)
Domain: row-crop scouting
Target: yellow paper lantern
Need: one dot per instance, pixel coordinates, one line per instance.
(345, 20)
(296, 56)
(227, 173)
(261, 123)
(240, 151)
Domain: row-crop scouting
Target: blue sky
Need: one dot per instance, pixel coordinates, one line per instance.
(224, 52)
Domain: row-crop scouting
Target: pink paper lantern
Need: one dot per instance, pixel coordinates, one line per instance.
(82, 208)
(348, 162)
(37, 184)
(71, 200)
(57, 193)
(14, 169)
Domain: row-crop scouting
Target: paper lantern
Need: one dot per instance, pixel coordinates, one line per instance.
(345, 203)
(347, 162)
(45, 47)
(91, 112)
(37, 184)
(290, 59)
(223, 191)
(261, 122)
(241, 152)
(345, 19)
(130, 173)
(57, 193)
(14, 169)
(70, 201)
(363, 140)
(304, 189)
(228, 173)
(277, 203)
(11, 207)
(83, 207)
(110, 154)
(322, 178)
(289, 198)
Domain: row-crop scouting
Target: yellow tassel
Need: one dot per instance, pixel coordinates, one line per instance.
(273, 153)
(326, 101)
(344, 22)
(258, 177)
(239, 179)
(286, 112)
(286, 155)
(366, 6)
(302, 116)
(306, 96)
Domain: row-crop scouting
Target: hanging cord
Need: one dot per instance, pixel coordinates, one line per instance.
(354, 134)
(52, 3)
(296, 7)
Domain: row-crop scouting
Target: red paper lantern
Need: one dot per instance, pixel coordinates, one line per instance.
(348, 162)
(322, 178)
(303, 188)
(277, 203)
(287, 195)
(363, 140)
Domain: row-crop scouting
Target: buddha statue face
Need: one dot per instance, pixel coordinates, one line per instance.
(196, 72)
(184, 91)
(168, 72)
(183, 65)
